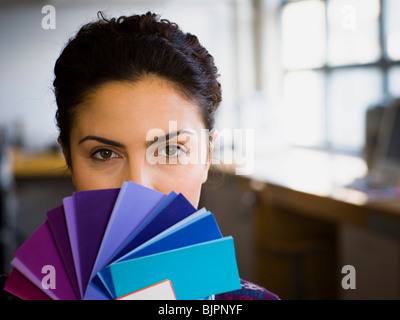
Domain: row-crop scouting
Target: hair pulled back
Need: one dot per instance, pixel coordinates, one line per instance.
(130, 48)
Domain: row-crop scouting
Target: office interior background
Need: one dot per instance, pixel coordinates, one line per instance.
(304, 75)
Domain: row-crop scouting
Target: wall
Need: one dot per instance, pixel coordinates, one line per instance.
(28, 53)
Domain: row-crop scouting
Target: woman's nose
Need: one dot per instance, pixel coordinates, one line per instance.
(139, 173)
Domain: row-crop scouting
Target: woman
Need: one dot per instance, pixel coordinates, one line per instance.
(135, 96)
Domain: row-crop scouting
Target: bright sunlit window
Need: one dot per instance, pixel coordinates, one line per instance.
(303, 98)
(353, 31)
(350, 93)
(303, 35)
(392, 26)
(340, 57)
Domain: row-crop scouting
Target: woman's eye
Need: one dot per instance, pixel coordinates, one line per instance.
(104, 154)
(171, 151)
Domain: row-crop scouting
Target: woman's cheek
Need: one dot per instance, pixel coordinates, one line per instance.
(186, 179)
(85, 177)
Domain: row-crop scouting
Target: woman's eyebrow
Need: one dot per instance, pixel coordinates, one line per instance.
(168, 137)
(102, 140)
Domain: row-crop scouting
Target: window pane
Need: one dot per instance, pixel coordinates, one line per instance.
(350, 93)
(393, 29)
(394, 81)
(303, 107)
(353, 31)
(303, 34)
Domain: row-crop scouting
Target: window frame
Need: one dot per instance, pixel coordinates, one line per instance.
(383, 64)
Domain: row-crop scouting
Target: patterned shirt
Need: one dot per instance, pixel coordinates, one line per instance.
(249, 291)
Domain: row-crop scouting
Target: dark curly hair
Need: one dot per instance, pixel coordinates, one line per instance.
(129, 48)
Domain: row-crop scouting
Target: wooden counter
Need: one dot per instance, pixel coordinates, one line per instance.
(310, 225)
(38, 164)
(303, 225)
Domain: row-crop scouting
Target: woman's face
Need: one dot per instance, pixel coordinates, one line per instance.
(113, 139)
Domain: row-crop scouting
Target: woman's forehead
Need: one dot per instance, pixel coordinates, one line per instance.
(140, 106)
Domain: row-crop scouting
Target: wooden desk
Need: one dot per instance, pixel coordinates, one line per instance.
(293, 220)
(38, 165)
(309, 216)
(314, 183)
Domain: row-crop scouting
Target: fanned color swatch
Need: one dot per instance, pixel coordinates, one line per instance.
(130, 243)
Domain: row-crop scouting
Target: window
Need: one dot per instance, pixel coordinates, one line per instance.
(303, 35)
(353, 32)
(340, 57)
(392, 27)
